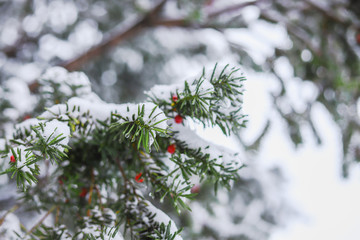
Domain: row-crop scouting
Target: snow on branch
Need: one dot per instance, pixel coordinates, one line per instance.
(98, 156)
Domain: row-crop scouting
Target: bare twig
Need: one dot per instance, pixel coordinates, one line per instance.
(11, 210)
(41, 220)
(326, 12)
(149, 20)
(232, 8)
(91, 191)
(294, 31)
(113, 41)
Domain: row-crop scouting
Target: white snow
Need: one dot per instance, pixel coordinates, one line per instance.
(67, 81)
(222, 154)
(95, 230)
(99, 110)
(2, 144)
(161, 217)
(55, 128)
(18, 94)
(10, 225)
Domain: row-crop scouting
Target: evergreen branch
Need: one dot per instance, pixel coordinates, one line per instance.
(99, 134)
(205, 97)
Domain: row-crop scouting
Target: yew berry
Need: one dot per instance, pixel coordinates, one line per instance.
(61, 182)
(26, 117)
(12, 159)
(195, 189)
(83, 192)
(171, 149)
(178, 119)
(137, 178)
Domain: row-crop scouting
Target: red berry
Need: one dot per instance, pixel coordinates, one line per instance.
(174, 98)
(209, 2)
(178, 119)
(137, 178)
(27, 116)
(12, 159)
(195, 189)
(171, 149)
(61, 181)
(83, 192)
(358, 38)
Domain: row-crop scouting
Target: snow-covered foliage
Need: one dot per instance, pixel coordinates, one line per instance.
(83, 152)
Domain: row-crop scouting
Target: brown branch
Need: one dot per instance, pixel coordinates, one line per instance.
(12, 51)
(149, 20)
(41, 220)
(99, 195)
(113, 41)
(293, 30)
(122, 171)
(181, 22)
(232, 8)
(326, 12)
(13, 209)
(88, 213)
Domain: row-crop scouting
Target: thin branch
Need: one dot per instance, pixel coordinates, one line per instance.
(99, 195)
(149, 20)
(41, 220)
(11, 210)
(326, 12)
(91, 191)
(181, 22)
(232, 8)
(122, 172)
(294, 31)
(113, 41)
(184, 22)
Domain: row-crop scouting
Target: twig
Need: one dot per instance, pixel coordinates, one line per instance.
(232, 8)
(122, 171)
(326, 12)
(91, 191)
(11, 210)
(294, 30)
(99, 195)
(149, 20)
(41, 220)
(146, 21)
(57, 214)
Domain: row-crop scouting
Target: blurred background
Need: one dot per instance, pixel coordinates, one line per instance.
(301, 60)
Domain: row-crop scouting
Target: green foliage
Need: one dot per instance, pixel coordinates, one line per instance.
(96, 159)
(164, 232)
(137, 130)
(29, 148)
(204, 103)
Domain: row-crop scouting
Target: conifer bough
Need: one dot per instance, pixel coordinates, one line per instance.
(92, 165)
